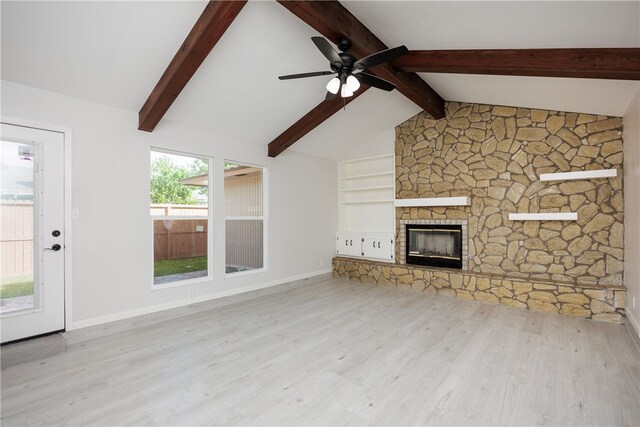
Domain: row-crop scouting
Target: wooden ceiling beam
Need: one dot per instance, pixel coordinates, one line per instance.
(599, 63)
(310, 121)
(207, 31)
(335, 22)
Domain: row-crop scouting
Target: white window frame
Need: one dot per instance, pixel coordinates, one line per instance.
(208, 217)
(264, 217)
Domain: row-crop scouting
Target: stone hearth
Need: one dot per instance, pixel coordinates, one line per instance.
(590, 302)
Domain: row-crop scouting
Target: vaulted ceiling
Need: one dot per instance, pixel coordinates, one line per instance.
(115, 52)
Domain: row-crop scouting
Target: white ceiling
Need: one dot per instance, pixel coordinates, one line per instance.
(114, 53)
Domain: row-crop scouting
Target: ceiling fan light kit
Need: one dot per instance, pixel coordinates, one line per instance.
(348, 69)
(334, 85)
(345, 92)
(352, 83)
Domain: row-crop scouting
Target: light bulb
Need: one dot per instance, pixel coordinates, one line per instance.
(345, 92)
(353, 84)
(334, 85)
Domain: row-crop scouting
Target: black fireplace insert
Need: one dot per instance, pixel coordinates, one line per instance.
(435, 245)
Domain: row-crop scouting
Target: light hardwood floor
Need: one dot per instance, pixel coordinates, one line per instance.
(338, 352)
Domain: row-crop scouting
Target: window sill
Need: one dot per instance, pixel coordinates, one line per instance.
(178, 283)
(244, 273)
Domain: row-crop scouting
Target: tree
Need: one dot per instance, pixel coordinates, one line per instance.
(165, 182)
(200, 167)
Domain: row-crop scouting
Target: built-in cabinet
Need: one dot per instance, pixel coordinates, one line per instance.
(366, 208)
(375, 245)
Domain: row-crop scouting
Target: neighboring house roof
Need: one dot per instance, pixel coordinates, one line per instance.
(232, 173)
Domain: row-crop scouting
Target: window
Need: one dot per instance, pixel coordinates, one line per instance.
(180, 216)
(244, 217)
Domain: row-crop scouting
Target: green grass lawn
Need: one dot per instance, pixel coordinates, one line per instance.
(179, 266)
(18, 289)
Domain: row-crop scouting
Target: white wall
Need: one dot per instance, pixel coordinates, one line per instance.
(631, 138)
(112, 259)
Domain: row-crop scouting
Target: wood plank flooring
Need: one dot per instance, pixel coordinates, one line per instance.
(338, 353)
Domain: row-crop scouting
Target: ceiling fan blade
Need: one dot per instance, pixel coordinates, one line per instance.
(303, 75)
(380, 57)
(327, 50)
(375, 81)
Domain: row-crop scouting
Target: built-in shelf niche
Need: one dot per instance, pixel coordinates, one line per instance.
(366, 194)
(569, 176)
(545, 216)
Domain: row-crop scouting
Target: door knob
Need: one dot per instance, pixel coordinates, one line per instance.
(54, 248)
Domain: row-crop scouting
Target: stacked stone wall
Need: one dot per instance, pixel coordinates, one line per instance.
(495, 155)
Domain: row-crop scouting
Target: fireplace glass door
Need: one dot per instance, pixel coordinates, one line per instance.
(434, 245)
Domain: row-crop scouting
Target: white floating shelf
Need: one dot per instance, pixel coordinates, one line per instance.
(379, 187)
(567, 176)
(554, 216)
(366, 175)
(433, 201)
(361, 202)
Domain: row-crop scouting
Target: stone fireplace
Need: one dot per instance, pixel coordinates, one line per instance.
(495, 155)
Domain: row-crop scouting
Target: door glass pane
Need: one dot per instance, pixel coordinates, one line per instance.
(17, 205)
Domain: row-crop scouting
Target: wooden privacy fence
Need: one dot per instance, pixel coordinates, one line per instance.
(16, 237)
(179, 238)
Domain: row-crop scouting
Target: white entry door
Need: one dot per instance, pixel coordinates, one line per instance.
(32, 235)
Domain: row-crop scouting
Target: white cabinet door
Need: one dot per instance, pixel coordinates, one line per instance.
(379, 247)
(349, 244)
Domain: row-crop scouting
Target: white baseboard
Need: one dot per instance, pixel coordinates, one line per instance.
(185, 302)
(633, 327)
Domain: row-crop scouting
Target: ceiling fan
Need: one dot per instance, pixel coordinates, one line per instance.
(349, 69)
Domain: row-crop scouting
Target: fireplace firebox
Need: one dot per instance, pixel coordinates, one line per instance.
(435, 245)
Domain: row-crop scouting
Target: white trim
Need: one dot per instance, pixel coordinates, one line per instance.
(244, 273)
(567, 176)
(185, 282)
(185, 302)
(68, 203)
(633, 326)
(433, 201)
(552, 216)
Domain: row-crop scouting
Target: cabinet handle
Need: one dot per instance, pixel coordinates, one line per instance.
(350, 242)
(378, 245)
(374, 244)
